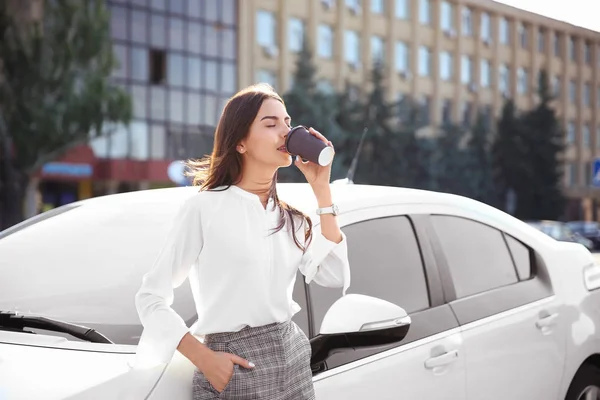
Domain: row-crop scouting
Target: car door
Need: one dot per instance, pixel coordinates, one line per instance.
(389, 260)
(503, 299)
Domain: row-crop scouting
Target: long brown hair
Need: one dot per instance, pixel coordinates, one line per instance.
(224, 166)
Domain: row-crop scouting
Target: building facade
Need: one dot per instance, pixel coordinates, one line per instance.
(455, 56)
(178, 61)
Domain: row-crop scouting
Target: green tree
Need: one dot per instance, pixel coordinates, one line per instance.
(309, 106)
(526, 158)
(543, 137)
(55, 92)
(479, 162)
(449, 164)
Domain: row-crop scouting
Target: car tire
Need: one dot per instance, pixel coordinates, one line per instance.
(586, 378)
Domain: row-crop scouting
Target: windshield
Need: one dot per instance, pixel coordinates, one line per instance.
(84, 266)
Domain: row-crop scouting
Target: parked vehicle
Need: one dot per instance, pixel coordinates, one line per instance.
(588, 229)
(561, 231)
(450, 299)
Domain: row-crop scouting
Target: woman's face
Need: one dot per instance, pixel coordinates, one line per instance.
(265, 143)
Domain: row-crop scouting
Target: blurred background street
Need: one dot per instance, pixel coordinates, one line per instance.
(473, 97)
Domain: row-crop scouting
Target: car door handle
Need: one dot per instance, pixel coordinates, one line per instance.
(546, 321)
(441, 360)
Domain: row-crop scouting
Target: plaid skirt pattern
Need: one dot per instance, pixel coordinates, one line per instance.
(281, 354)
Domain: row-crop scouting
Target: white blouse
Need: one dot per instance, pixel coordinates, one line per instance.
(240, 272)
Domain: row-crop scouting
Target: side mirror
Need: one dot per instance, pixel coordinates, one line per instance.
(356, 320)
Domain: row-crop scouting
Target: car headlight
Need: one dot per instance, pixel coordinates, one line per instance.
(591, 277)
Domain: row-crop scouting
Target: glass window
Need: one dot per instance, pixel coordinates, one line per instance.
(228, 11)
(424, 11)
(424, 61)
(571, 132)
(194, 109)
(598, 137)
(194, 37)
(573, 48)
(587, 95)
(140, 146)
(194, 8)
(177, 6)
(504, 31)
(140, 99)
(176, 106)
(557, 44)
(157, 103)
(573, 91)
(586, 135)
(522, 80)
(352, 47)
(447, 111)
(522, 257)
(212, 47)
(139, 26)
(386, 263)
(121, 70)
(325, 45)
(228, 78)
(295, 34)
(523, 35)
(377, 48)
(141, 3)
(466, 69)
(119, 142)
(211, 10)
(467, 21)
(194, 73)
(485, 27)
(139, 64)
(541, 40)
(403, 9)
(377, 6)
(157, 142)
(175, 69)
(176, 37)
(158, 31)
(486, 71)
(159, 4)
(587, 52)
(119, 25)
(229, 46)
(210, 107)
(211, 80)
(446, 66)
(447, 17)
(504, 78)
(556, 85)
(402, 57)
(266, 27)
(478, 258)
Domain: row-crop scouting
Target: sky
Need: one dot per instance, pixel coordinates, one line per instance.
(576, 12)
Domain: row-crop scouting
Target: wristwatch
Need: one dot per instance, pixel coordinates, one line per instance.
(333, 209)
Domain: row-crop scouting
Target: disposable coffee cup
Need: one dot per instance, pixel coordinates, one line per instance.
(300, 142)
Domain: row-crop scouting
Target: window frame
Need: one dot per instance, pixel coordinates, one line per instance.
(435, 319)
(496, 300)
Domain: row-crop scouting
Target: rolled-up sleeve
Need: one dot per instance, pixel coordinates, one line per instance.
(163, 327)
(326, 262)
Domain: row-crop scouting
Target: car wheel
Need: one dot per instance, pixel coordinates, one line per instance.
(586, 384)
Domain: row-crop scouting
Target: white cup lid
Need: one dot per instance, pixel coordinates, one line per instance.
(326, 156)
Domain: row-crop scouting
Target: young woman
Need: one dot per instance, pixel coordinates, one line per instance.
(241, 248)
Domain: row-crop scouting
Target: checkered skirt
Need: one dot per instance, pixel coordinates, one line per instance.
(281, 354)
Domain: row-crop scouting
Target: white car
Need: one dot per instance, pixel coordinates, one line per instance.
(450, 299)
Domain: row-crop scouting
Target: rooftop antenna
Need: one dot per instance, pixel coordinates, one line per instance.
(349, 179)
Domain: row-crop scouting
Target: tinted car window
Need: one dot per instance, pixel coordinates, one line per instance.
(522, 257)
(478, 257)
(385, 262)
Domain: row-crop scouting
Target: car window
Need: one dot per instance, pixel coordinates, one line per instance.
(477, 255)
(385, 262)
(522, 257)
